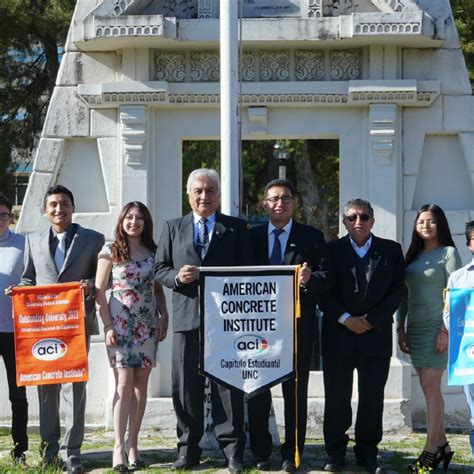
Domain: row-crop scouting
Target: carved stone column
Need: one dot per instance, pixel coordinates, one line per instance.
(384, 177)
(383, 120)
(133, 124)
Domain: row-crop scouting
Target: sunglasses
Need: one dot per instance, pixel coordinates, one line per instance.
(362, 217)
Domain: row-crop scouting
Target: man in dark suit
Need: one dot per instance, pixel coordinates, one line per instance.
(62, 253)
(204, 237)
(285, 241)
(367, 275)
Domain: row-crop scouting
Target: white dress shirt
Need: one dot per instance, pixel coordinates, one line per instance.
(211, 220)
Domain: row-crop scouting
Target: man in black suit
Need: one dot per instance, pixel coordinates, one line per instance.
(367, 275)
(285, 241)
(204, 237)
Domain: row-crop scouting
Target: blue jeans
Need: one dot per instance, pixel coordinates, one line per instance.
(469, 391)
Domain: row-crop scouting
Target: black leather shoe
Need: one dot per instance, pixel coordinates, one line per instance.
(235, 465)
(74, 466)
(262, 464)
(184, 462)
(288, 466)
(334, 463)
(374, 467)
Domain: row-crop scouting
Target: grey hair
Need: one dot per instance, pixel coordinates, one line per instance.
(357, 203)
(203, 173)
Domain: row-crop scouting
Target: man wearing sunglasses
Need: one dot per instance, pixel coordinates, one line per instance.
(367, 275)
(283, 241)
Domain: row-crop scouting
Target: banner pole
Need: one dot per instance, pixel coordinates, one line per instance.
(297, 316)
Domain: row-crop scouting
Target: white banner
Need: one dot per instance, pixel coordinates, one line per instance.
(247, 324)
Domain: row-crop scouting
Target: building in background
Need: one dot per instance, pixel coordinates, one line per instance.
(139, 77)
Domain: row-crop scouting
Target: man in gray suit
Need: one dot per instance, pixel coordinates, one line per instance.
(204, 237)
(64, 252)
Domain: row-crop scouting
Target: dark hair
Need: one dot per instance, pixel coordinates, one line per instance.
(120, 250)
(58, 189)
(357, 202)
(283, 183)
(4, 201)
(444, 234)
(469, 230)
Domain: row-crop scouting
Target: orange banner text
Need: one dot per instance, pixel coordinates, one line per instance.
(50, 341)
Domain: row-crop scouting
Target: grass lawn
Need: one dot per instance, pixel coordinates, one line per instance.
(395, 452)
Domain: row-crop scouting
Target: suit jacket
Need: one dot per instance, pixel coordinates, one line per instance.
(384, 292)
(80, 263)
(305, 244)
(229, 246)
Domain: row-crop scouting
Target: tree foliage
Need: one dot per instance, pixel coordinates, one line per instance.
(31, 37)
(313, 168)
(463, 11)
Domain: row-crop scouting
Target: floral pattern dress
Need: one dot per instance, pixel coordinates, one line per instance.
(134, 315)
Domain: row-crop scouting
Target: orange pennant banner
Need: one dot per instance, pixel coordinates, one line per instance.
(50, 341)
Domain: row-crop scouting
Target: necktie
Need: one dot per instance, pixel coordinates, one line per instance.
(203, 237)
(60, 254)
(275, 257)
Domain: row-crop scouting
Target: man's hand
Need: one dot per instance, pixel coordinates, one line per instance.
(87, 286)
(305, 274)
(187, 274)
(9, 290)
(358, 324)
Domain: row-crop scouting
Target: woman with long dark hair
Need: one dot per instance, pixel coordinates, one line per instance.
(430, 259)
(135, 320)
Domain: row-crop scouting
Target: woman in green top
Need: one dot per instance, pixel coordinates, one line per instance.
(431, 258)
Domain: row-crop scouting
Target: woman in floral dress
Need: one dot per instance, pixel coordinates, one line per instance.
(135, 319)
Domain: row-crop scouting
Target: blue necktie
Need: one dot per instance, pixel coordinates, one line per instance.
(203, 237)
(275, 257)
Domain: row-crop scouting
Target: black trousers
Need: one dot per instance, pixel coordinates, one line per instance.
(338, 377)
(16, 394)
(259, 406)
(188, 402)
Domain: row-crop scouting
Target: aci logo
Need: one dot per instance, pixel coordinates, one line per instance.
(251, 343)
(470, 351)
(49, 349)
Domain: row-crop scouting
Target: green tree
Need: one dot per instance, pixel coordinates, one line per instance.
(313, 167)
(463, 11)
(31, 37)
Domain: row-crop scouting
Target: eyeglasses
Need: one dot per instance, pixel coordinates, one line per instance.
(362, 217)
(4, 216)
(284, 199)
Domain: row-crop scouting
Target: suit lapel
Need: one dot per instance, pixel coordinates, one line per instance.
(188, 233)
(44, 245)
(375, 256)
(291, 244)
(217, 233)
(77, 244)
(263, 240)
(349, 257)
